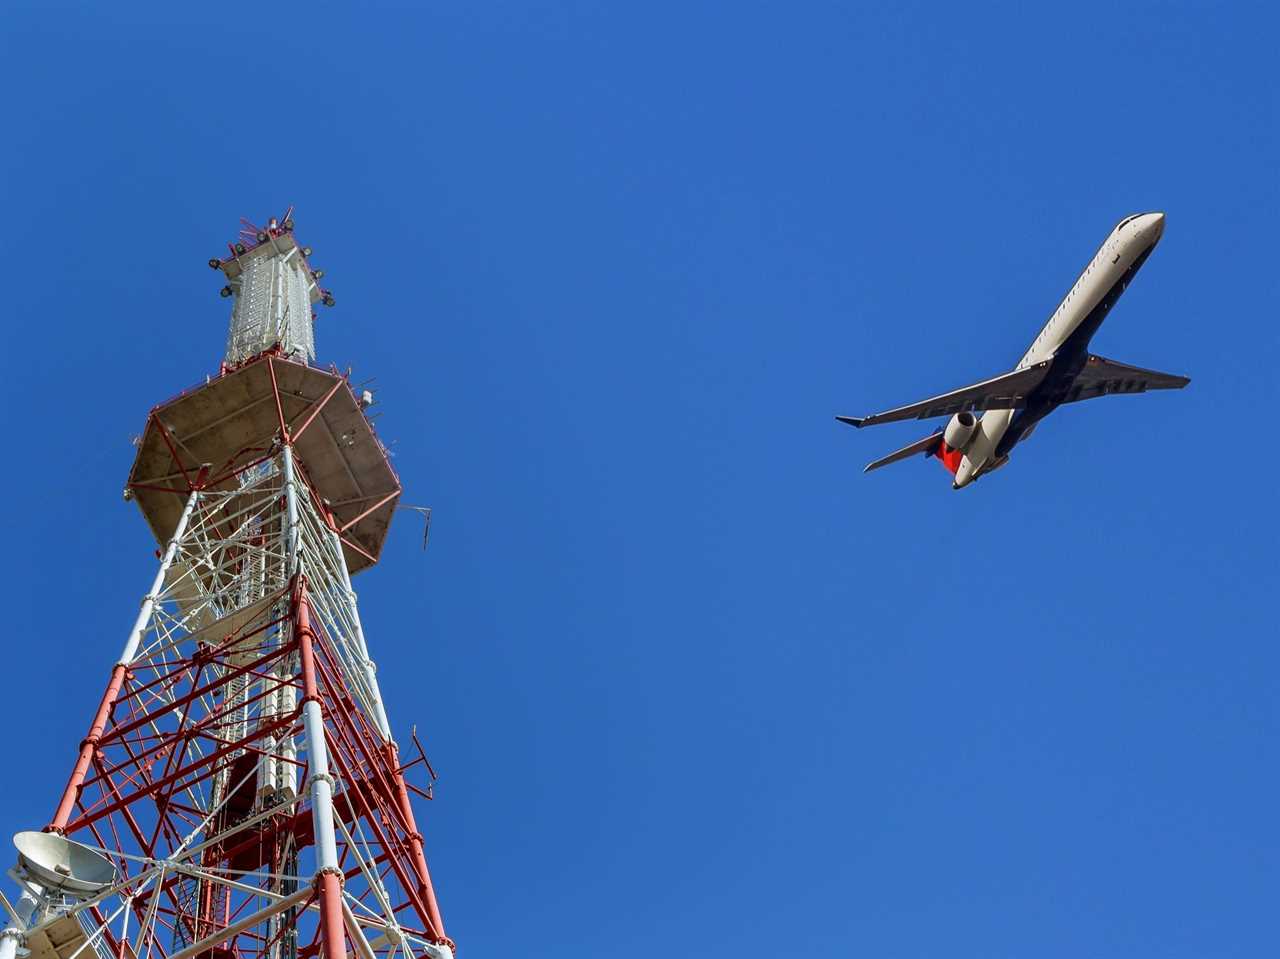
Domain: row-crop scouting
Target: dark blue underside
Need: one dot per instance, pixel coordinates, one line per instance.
(1067, 363)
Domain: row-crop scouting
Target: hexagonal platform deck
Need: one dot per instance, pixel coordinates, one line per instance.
(209, 435)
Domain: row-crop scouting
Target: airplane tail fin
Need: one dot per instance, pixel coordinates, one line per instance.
(930, 446)
(933, 447)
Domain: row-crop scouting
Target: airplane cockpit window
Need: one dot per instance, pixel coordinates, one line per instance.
(1128, 219)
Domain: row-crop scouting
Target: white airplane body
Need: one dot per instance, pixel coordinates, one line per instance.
(1057, 368)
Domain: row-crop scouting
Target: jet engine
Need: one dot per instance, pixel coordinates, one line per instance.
(960, 430)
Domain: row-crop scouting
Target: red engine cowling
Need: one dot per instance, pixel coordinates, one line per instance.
(948, 457)
(954, 439)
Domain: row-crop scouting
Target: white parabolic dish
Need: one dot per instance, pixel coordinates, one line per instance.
(63, 865)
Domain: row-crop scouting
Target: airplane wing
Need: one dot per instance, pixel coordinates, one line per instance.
(1102, 377)
(926, 445)
(1006, 392)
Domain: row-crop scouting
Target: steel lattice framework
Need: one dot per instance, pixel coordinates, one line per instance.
(240, 772)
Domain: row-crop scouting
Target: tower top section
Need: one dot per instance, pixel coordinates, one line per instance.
(273, 288)
(267, 395)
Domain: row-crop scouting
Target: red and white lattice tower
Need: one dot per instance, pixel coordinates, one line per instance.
(238, 794)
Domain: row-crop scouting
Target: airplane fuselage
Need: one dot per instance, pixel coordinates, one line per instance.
(1064, 343)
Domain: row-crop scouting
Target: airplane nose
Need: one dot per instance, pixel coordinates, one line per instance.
(1157, 225)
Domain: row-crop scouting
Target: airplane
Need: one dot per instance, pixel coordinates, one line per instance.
(1057, 368)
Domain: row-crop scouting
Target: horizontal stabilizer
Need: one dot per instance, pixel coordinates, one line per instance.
(927, 446)
(1005, 392)
(1103, 377)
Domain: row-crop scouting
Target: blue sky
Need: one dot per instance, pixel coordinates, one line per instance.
(693, 682)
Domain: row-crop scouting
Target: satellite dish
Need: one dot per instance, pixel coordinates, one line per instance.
(61, 865)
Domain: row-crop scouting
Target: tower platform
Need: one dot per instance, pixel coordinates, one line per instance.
(209, 435)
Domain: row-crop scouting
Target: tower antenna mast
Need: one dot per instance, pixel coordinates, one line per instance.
(238, 793)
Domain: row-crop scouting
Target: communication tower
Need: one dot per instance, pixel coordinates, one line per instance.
(239, 794)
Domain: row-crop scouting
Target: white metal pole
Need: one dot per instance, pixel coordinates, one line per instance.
(321, 788)
(293, 560)
(370, 668)
(321, 782)
(149, 601)
(10, 939)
